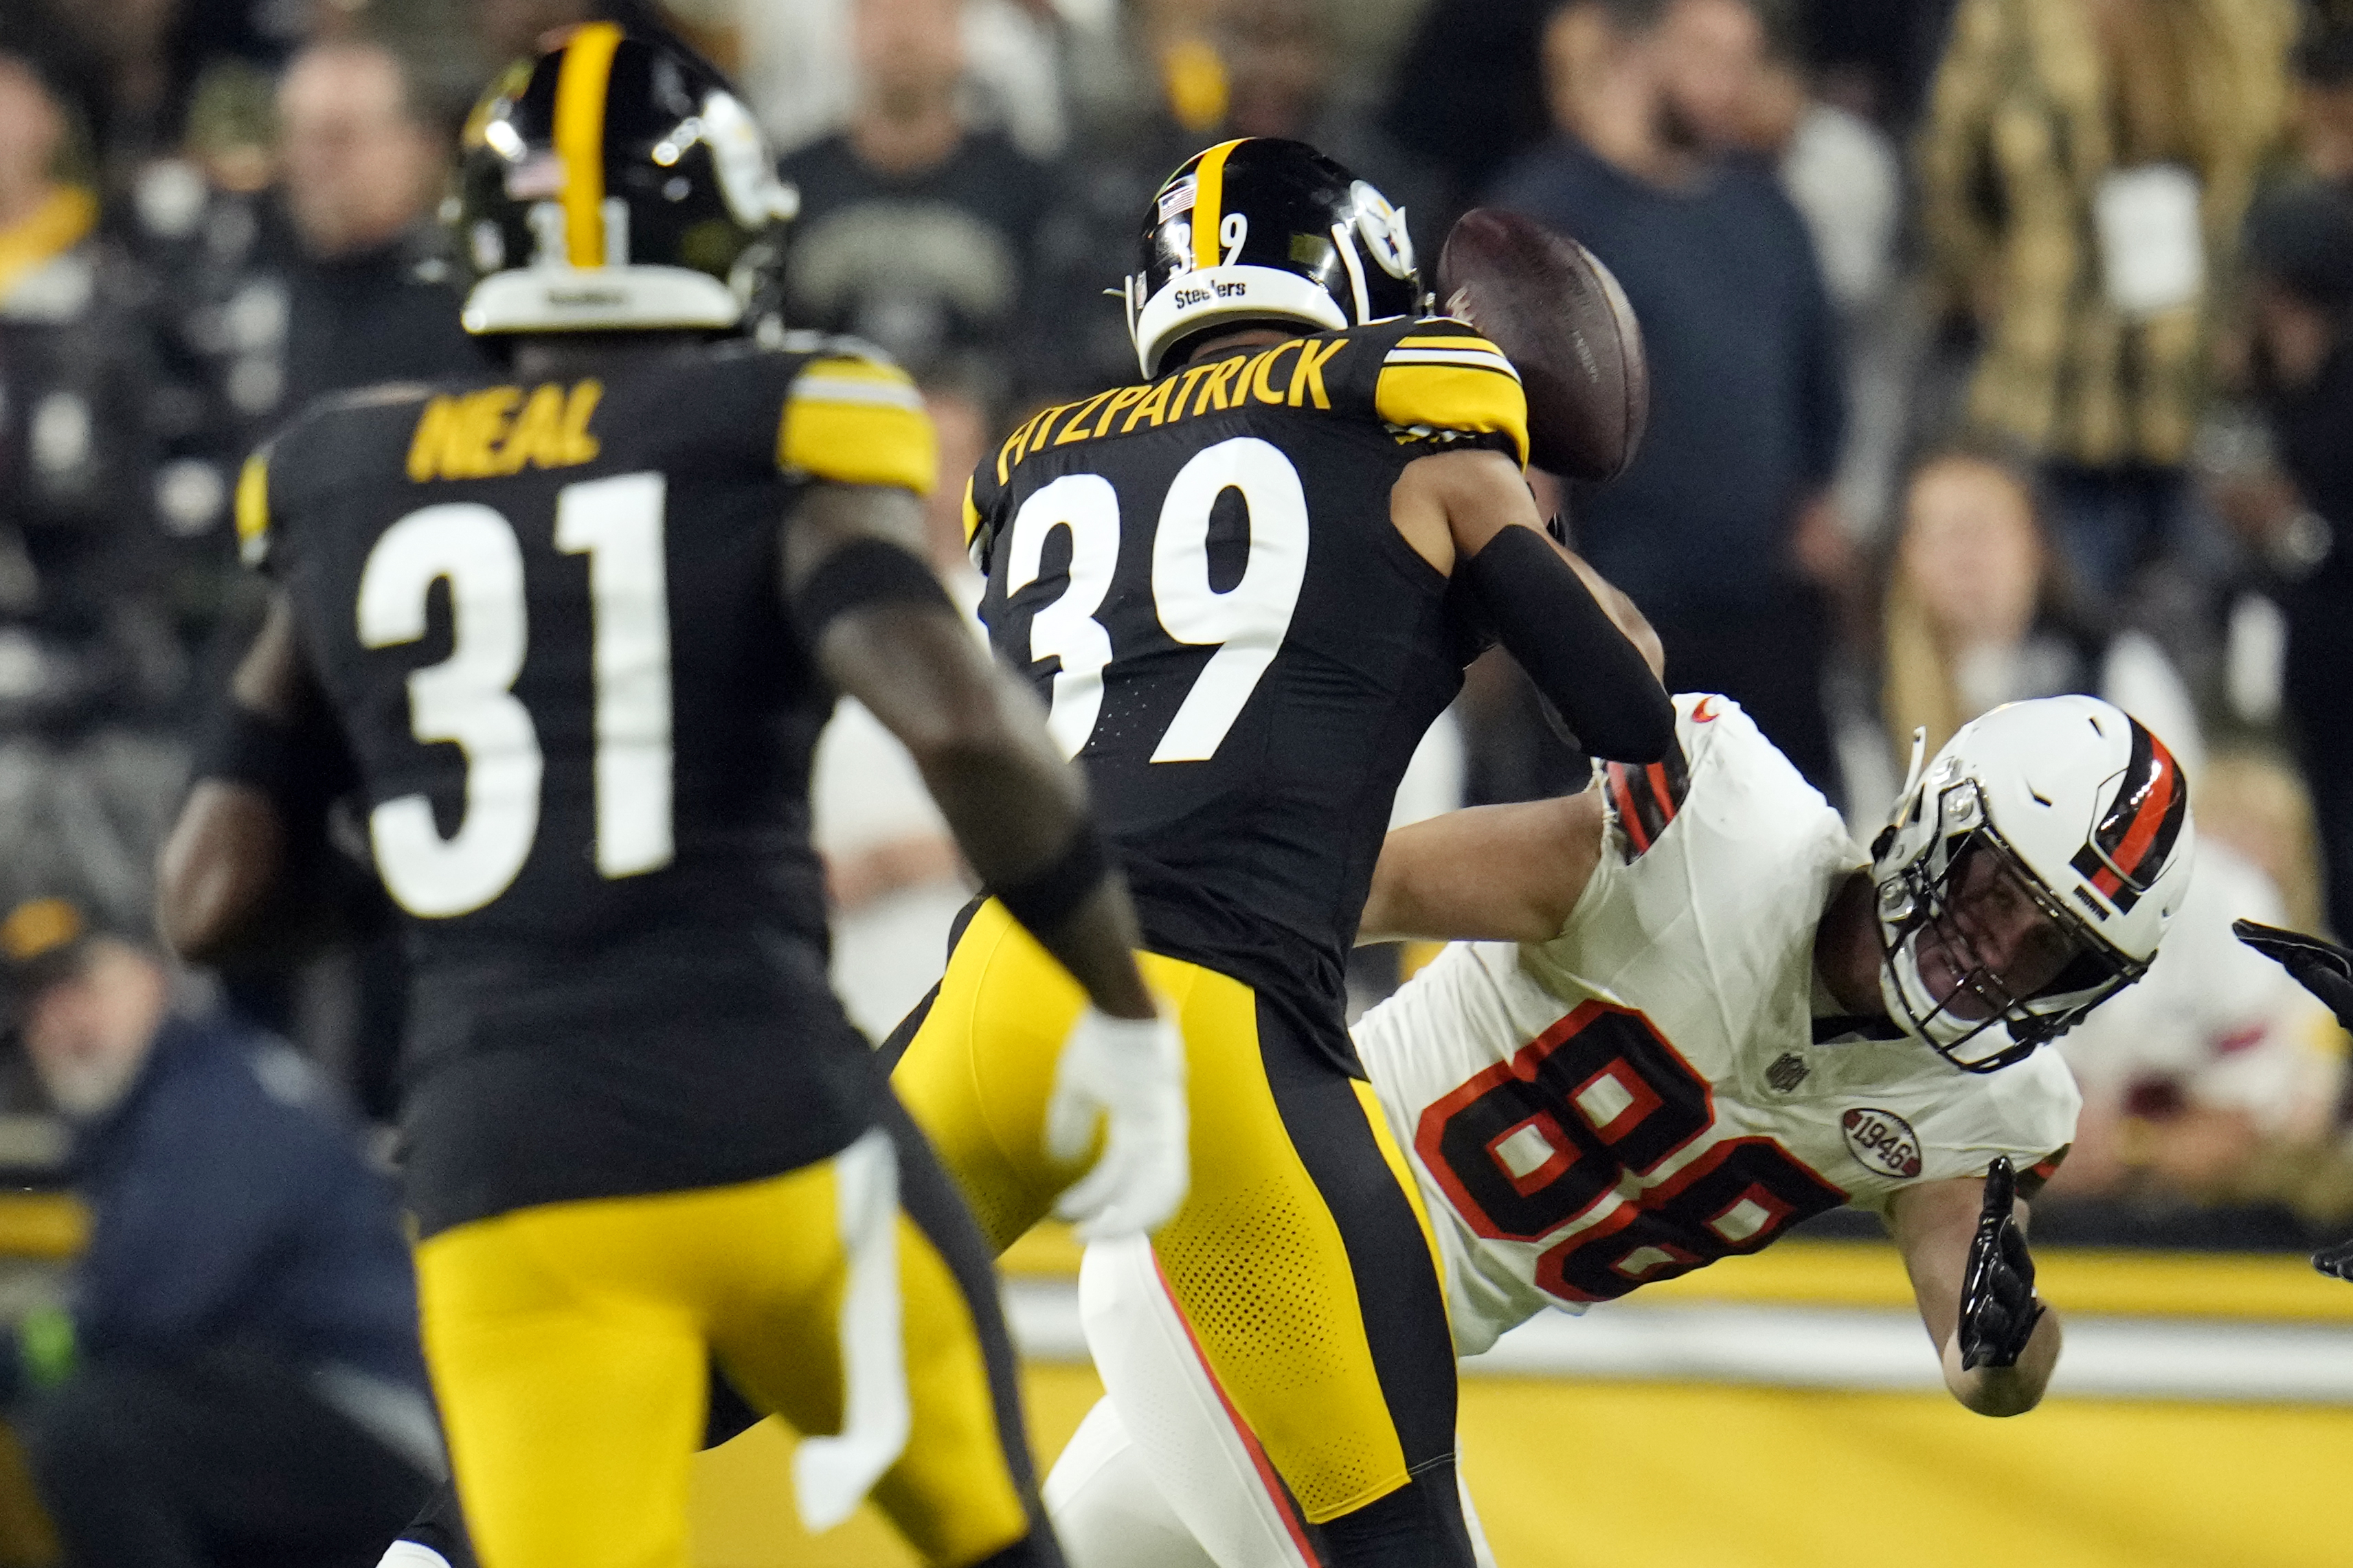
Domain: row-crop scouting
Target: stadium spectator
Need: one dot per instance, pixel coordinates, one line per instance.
(917, 229)
(237, 1378)
(1840, 169)
(1280, 58)
(1847, 180)
(364, 161)
(2214, 1053)
(2084, 171)
(1468, 90)
(292, 250)
(1978, 613)
(214, 242)
(2255, 801)
(1721, 531)
(2323, 103)
(798, 73)
(2300, 246)
(89, 667)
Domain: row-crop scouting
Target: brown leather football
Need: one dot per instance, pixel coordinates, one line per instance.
(1562, 321)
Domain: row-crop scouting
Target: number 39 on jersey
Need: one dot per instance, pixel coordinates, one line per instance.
(1243, 622)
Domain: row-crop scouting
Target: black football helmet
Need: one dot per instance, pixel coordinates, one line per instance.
(1263, 229)
(616, 183)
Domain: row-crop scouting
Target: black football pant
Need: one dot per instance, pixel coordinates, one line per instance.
(220, 1458)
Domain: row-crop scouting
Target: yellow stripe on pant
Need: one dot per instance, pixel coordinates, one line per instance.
(568, 1344)
(1256, 1259)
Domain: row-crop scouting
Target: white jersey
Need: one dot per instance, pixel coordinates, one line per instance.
(1645, 1093)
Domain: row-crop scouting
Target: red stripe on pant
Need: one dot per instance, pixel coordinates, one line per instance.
(1265, 1467)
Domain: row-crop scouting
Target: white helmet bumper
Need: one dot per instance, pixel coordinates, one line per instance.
(1192, 302)
(598, 298)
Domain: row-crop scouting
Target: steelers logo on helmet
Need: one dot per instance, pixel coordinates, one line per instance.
(2028, 875)
(618, 184)
(1382, 230)
(1265, 230)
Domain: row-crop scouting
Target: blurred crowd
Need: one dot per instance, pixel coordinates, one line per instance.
(1999, 349)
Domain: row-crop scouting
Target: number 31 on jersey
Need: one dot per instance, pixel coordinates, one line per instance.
(468, 697)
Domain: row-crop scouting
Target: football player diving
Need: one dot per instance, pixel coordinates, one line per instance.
(1697, 1017)
(1245, 586)
(576, 629)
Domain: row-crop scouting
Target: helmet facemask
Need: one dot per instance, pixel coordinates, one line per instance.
(1979, 959)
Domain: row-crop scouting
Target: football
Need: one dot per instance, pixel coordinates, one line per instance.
(1561, 319)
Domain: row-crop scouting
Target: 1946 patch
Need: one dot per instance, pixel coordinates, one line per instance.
(1882, 1139)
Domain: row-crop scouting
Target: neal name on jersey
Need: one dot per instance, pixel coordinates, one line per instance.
(1646, 1092)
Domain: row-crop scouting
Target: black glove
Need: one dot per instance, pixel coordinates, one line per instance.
(2326, 970)
(2321, 967)
(1998, 1311)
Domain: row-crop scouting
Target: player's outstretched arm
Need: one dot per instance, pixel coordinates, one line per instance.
(1470, 515)
(225, 880)
(886, 632)
(1487, 873)
(1964, 1245)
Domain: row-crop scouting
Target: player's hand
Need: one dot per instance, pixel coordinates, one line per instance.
(2326, 970)
(1131, 1073)
(2321, 967)
(1998, 1311)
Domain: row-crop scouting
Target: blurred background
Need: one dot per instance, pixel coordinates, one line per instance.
(1999, 349)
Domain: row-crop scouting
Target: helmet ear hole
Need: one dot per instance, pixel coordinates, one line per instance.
(1880, 846)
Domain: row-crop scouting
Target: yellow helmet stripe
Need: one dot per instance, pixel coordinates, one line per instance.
(253, 510)
(1209, 202)
(586, 72)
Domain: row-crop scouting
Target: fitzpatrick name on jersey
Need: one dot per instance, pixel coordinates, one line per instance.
(1644, 1093)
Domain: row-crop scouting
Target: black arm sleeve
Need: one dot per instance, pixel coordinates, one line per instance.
(1571, 648)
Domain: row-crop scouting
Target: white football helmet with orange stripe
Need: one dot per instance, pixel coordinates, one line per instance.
(2029, 874)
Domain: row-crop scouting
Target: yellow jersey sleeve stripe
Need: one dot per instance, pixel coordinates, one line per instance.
(1444, 397)
(857, 422)
(1209, 202)
(1470, 358)
(821, 388)
(1464, 339)
(253, 510)
(971, 516)
(580, 88)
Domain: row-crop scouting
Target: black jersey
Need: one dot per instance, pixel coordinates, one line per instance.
(550, 621)
(1202, 577)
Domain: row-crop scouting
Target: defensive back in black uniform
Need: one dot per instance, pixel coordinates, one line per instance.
(548, 618)
(1245, 586)
(1280, 647)
(577, 630)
